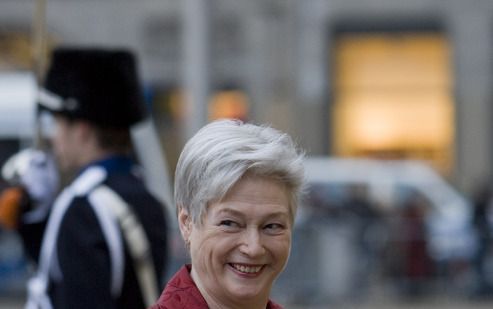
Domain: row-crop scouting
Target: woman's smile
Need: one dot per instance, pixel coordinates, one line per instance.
(245, 269)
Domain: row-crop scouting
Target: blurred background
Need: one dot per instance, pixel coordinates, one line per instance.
(391, 99)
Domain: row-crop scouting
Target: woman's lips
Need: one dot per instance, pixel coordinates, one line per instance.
(247, 269)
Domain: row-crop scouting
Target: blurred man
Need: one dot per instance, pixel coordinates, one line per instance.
(101, 243)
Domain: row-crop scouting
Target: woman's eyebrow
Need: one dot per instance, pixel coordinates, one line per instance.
(237, 213)
(230, 211)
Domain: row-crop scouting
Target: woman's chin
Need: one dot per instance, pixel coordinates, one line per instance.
(248, 292)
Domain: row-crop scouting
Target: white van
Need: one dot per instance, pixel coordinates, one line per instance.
(449, 221)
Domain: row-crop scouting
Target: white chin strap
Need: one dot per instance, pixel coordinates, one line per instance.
(50, 100)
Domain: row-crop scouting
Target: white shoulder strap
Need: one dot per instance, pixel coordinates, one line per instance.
(135, 238)
(47, 266)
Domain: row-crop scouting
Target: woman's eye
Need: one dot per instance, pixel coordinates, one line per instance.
(274, 227)
(229, 223)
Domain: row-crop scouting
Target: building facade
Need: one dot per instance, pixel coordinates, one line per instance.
(284, 56)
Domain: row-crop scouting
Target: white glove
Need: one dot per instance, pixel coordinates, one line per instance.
(36, 171)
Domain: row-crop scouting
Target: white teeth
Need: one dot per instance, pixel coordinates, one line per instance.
(247, 269)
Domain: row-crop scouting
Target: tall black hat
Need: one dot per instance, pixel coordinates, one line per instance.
(93, 84)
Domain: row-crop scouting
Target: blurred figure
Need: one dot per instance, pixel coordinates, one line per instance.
(482, 213)
(415, 266)
(102, 242)
(236, 193)
(367, 225)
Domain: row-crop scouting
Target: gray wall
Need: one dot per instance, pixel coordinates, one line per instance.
(278, 51)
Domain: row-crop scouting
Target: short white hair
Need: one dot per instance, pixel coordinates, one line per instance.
(220, 153)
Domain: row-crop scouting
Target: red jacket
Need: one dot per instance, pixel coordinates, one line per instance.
(182, 293)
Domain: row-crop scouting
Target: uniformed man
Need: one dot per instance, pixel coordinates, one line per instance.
(101, 243)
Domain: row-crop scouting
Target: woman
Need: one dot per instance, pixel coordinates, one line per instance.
(236, 191)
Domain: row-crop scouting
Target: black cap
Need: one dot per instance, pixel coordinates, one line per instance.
(98, 85)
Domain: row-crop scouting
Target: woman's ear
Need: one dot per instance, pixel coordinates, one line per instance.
(185, 224)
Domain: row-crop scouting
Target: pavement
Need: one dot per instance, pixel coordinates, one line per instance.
(17, 303)
(11, 303)
(427, 304)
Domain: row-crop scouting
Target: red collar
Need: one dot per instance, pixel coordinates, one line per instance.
(181, 292)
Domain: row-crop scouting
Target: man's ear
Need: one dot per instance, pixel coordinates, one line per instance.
(185, 224)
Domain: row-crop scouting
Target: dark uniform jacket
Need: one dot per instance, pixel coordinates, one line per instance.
(89, 265)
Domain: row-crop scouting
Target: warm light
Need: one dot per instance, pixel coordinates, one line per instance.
(393, 121)
(393, 95)
(229, 104)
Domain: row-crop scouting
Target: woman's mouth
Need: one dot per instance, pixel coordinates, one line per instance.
(246, 269)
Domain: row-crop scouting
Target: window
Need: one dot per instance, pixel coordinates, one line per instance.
(393, 97)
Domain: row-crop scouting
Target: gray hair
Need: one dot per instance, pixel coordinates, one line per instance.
(220, 153)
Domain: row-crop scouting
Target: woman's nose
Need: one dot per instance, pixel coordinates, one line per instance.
(252, 243)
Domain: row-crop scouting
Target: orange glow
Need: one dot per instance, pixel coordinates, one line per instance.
(385, 61)
(391, 120)
(393, 94)
(229, 104)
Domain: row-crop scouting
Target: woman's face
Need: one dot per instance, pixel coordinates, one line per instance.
(243, 243)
